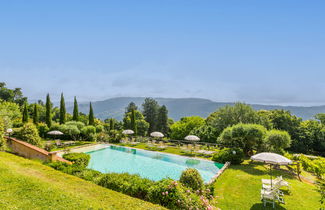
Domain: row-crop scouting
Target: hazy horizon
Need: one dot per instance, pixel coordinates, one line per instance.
(255, 52)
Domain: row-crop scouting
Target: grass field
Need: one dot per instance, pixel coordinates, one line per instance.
(27, 184)
(239, 188)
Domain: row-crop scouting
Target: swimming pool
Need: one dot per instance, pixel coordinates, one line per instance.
(148, 164)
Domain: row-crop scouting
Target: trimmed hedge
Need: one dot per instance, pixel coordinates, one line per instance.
(233, 155)
(79, 159)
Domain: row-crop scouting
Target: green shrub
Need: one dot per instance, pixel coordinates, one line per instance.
(132, 185)
(79, 159)
(191, 178)
(316, 165)
(66, 168)
(42, 129)
(171, 194)
(233, 155)
(2, 139)
(89, 175)
(29, 133)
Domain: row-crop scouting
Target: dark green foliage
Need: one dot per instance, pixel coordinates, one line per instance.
(48, 114)
(248, 137)
(140, 124)
(207, 133)
(12, 95)
(277, 141)
(191, 178)
(91, 118)
(132, 185)
(35, 115)
(233, 155)
(79, 159)
(63, 112)
(131, 107)
(75, 116)
(162, 120)
(111, 124)
(42, 129)
(25, 113)
(133, 123)
(29, 133)
(2, 132)
(150, 111)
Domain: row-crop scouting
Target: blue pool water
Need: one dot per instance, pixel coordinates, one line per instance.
(151, 165)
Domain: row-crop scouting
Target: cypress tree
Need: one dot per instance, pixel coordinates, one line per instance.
(111, 124)
(63, 113)
(35, 115)
(25, 113)
(48, 117)
(150, 111)
(133, 122)
(75, 110)
(91, 115)
(162, 119)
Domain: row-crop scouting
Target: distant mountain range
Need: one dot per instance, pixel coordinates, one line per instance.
(181, 107)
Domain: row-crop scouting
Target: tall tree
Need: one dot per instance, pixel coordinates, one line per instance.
(25, 113)
(75, 116)
(91, 119)
(48, 114)
(133, 124)
(111, 124)
(162, 120)
(150, 110)
(35, 115)
(131, 107)
(63, 112)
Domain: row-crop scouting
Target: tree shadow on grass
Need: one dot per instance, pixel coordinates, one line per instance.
(259, 206)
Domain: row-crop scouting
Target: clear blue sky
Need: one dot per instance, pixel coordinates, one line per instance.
(270, 52)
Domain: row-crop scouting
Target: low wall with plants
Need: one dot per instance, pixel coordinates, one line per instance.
(33, 152)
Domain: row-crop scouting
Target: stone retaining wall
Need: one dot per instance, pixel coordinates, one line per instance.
(30, 151)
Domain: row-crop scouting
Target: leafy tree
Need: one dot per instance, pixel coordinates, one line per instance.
(320, 117)
(249, 137)
(48, 117)
(91, 118)
(10, 113)
(277, 141)
(130, 107)
(75, 110)
(283, 120)
(207, 133)
(78, 124)
(141, 125)
(311, 138)
(150, 110)
(42, 129)
(162, 120)
(29, 133)
(182, 128)
(70, 130)
(63, 112)
(25, 114)
(133, 122)
(232, 115)
(89, 132)
(12, 95)
(35, 115)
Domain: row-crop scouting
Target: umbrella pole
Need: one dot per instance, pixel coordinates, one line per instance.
(271, 176)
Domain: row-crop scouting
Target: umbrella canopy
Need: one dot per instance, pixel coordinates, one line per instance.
(128, 132)
(192, 138)
(55, 133)
(157, 134)
(271, 158)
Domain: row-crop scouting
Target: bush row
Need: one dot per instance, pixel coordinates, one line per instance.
(188, 193)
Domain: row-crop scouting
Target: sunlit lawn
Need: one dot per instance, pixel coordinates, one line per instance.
(27, 184)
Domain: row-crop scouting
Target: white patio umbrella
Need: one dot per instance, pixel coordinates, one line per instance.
(128, 132)
(157, 134)
(192, 138)
(56, 133)
(271, 159)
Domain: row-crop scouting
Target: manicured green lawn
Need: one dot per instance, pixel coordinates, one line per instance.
(27, 184)
(239, 188)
